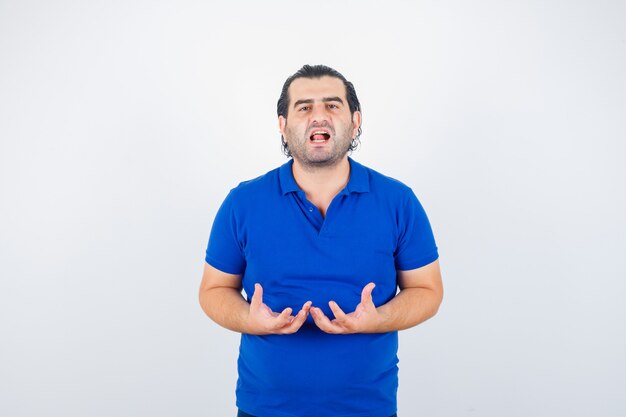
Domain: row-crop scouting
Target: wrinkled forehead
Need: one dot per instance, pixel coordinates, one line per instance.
(316, 89)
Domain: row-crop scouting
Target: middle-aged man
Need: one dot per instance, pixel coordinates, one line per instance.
(320, 245)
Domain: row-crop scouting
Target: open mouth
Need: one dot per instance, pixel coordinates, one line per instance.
(319, 136)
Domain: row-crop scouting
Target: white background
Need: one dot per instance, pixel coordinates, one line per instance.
(123, 124)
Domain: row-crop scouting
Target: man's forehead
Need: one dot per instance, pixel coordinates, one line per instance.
(314, 88)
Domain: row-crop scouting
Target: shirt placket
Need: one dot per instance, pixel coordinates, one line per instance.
(310, 211)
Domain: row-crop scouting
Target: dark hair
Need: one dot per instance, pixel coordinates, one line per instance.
(318, 71)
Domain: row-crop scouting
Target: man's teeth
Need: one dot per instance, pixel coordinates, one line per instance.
(319, 136)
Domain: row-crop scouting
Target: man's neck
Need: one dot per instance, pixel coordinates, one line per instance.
(322, 182)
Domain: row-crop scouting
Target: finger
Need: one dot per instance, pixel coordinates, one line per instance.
(284, 318)
(299, 319)
(306, 307)
(366, 294)
(257, 297)
(340, 316)
(324, 322)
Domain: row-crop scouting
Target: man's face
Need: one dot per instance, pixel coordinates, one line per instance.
(319, 127)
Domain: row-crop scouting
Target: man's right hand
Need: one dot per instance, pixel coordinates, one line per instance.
(262, 320)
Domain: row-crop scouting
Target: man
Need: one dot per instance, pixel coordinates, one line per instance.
(320, 246)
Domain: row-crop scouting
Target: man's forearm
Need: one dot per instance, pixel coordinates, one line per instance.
(410, 307)
(227, 307)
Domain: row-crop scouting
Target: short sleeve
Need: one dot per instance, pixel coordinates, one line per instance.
(416, 243)
(224, 250)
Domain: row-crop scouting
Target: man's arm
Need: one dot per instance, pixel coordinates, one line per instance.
(421, 292)
(221, 299)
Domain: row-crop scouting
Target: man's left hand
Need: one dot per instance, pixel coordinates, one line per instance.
(364, 319)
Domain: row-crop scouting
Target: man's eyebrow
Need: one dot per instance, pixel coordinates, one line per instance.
(325, 99)
(310, 100)
(303, 101)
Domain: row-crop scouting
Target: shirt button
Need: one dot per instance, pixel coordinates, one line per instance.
(311, 209)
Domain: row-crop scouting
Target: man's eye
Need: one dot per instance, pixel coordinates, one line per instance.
(303, 108)
(333, 106)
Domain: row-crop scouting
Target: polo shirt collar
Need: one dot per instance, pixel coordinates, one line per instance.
(358, 182)
(285, 175)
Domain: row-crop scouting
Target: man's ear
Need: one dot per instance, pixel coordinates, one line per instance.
(282, 123)
(356, 122)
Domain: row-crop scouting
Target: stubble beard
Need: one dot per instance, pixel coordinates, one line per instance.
(313, 159)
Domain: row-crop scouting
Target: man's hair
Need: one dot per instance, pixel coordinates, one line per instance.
(318, 71)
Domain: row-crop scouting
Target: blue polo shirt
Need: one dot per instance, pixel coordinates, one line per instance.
(269, 232)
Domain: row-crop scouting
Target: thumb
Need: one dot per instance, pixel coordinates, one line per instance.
(257, 297)
(366, 294)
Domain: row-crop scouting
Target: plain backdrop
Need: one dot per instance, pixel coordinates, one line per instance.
(123, 124)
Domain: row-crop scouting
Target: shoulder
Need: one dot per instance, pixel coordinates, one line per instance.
(383, 184)
(251, 195)
(263, 185)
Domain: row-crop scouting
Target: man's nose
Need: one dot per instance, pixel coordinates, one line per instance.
(319, 113)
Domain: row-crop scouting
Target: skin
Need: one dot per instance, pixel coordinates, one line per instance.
(321, 170)
(313, 104)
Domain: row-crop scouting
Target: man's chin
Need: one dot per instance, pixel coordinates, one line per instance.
(320, 161)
